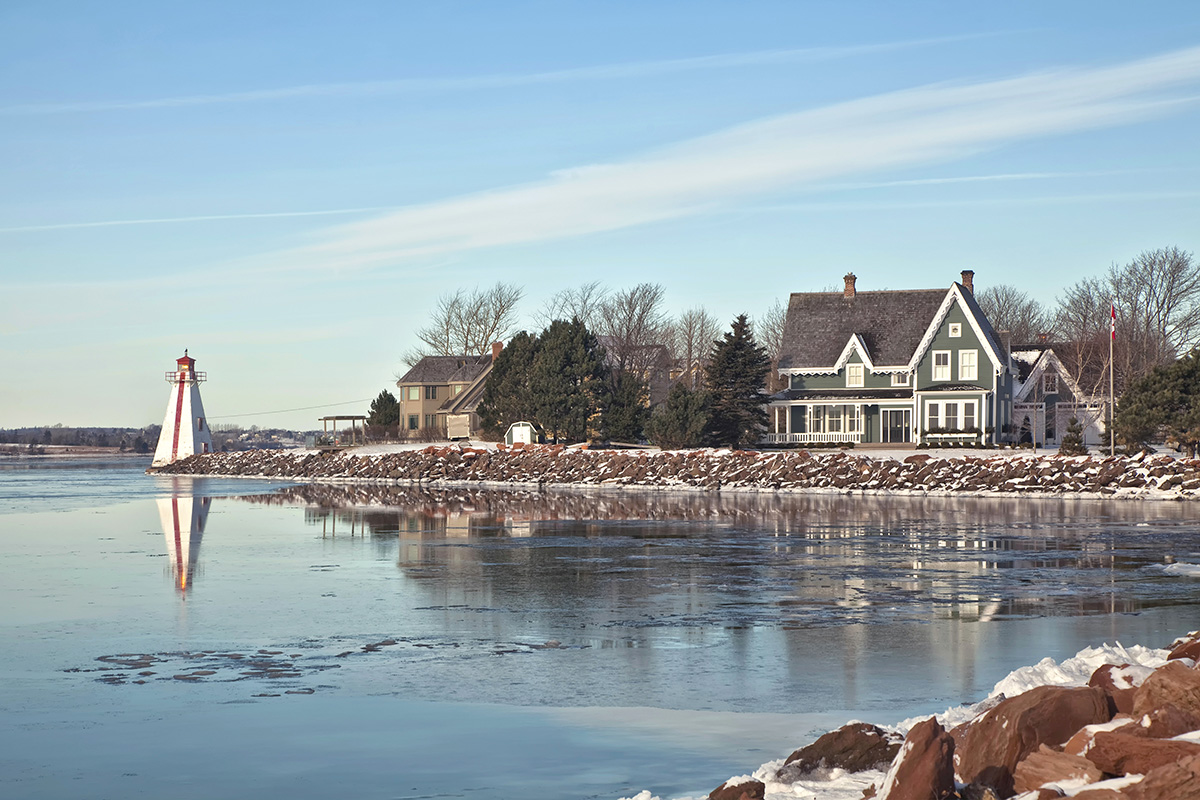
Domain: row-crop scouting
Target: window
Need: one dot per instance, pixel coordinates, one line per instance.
(429, 422)
(430, 394)
(899, 379)
(1050, 383)
(968, 365)
(955, 330)
(414, 420)
(458, 389)
(951, 423)
(853, 419)
(941, 365)
(854, 375)
(833, 419)
(932, 421)
(968, 415)
(199, 423)
(414, 392)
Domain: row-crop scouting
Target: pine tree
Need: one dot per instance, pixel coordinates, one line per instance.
(682, 420)
(507, 396)
(568, 383)
(626, 414)
(1072, 443)
(384, 411)
(1167, 401)
(735, 374)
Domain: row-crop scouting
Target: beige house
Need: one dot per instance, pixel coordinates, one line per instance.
(440, 393)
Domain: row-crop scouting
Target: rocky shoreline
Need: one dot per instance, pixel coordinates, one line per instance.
(1139, 476)
(1121, 724)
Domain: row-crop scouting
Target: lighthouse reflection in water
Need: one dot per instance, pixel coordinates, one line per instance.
(183, 516)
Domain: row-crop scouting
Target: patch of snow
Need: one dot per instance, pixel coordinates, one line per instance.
(1190, 736)
(1183, 569)
(1076, 670)
(1116, 784)
(1131, 676)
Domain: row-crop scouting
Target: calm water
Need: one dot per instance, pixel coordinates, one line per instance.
(204, 638)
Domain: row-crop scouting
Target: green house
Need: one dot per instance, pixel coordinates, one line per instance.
(893, 367)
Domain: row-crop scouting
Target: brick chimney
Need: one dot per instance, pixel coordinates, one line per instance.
(496, 348)
(849, 292)
(968, 280)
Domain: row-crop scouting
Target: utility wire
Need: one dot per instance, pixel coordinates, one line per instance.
(287, 410)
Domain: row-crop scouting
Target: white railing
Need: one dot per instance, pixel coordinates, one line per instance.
(811, 438)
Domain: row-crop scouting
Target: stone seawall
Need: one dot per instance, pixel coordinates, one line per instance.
(711, 470)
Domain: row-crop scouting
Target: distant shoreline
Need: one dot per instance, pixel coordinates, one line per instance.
(973, 474)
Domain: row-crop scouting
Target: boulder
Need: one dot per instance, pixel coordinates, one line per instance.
(1121, 753)
(1188, 648)
(1174, 684)
(747, 790)
(1050, 766)
(853, 748)
(1177, 781)
(1165, 722)
(1081, 742)
(994, 745)
(1100, 794)
(1117, 684)
(924, 768)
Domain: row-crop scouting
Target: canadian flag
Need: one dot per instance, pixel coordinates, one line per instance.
(1112, 326)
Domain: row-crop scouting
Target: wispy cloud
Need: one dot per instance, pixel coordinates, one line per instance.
(639, 69)
(896, 130)
(110, 223)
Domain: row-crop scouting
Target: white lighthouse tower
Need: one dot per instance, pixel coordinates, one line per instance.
(184, 430)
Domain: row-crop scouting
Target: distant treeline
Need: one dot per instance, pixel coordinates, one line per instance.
(143, 440)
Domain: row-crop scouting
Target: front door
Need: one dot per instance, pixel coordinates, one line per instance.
(897, 425)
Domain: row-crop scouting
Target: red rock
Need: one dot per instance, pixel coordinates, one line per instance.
(1173, 684)
(1120, 753)
(1165, 722)
(997, 742)
(1050, 766)
(919, 458)
(1177, 781)
(924, 769)
(1100, 794)
(1081, 742)
(853, 748)
(750, 790)
(1189, 648)
(1118, 688)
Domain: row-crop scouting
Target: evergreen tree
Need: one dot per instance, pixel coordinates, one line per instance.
(507, 395)
(736, 372)
(682, 420)
(384, 411)
(625, 417)
(1072, 443)
(1167, 401)
(568, 383)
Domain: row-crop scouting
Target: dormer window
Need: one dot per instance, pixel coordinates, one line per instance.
(1050, 383)
(899, 379)
(955, 330)
(855, 375)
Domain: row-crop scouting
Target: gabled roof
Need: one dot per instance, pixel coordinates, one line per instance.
(1047, 361)
(446, 369)
(975, 318)
(890, 325)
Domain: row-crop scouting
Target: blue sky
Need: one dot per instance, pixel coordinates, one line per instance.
(285, 189)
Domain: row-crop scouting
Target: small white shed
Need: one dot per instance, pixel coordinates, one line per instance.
(522, 432)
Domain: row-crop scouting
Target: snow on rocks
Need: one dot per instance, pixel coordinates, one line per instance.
(723, 470)
(1047, 741)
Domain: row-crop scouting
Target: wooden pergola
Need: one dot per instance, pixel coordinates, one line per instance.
(358, 435)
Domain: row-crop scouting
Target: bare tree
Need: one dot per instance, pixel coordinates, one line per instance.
(692, 335)
(632, 324)
(1157, 301)
(1009, 309)
(583, 303)
(466, 323)
(1082, 323)
(1158, 304)
(768, 331)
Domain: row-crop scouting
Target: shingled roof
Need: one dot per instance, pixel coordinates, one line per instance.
(890, 323)
(446, 369)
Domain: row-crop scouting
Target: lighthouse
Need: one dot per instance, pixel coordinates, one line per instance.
(183, 517)
(184, 430)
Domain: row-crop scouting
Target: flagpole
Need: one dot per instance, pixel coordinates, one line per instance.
(1112, 395)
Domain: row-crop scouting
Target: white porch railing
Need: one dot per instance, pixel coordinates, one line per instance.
(811, 438)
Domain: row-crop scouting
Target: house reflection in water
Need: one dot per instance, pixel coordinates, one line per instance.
(183, 516)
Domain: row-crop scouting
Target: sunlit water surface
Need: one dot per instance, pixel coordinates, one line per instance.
(216, 638)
